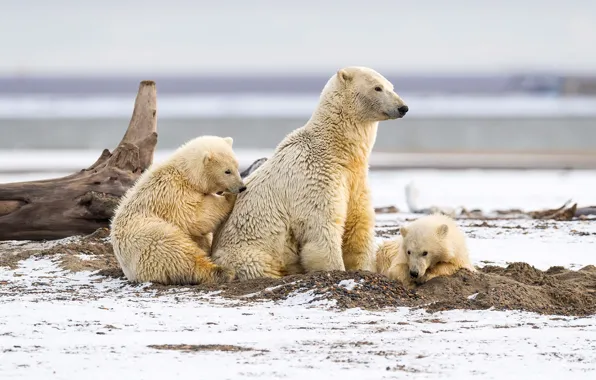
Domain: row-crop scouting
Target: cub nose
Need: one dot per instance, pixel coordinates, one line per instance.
(414, 274)
(403, 110)
(242, 189)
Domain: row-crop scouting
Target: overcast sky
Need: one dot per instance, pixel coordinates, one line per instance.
(244, 36)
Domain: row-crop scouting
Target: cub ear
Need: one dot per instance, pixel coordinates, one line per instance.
(403, 231)
(207, 156)
(343, 75)
(442, 230)
(229, 140)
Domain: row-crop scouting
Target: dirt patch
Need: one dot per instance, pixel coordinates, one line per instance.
(202, 347)
(365, 290)
(386, 210)
(86, 253)
(516, 287)
(90, 253)
(519, 286)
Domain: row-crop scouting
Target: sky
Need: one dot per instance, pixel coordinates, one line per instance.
(64, 37)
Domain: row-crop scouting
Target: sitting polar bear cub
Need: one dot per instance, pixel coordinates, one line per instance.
(308, 207)
(430, 246)
(161, 231)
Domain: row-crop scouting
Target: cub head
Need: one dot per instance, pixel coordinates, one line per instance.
(424, 246)
(211, 165)
(371, 95)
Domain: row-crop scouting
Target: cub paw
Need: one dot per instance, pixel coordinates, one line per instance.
(223, 274)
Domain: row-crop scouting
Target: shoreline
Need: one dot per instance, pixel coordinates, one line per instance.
(30, 161)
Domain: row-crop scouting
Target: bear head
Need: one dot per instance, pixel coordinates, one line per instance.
(425, 244)
(367, 95)
(210, 165)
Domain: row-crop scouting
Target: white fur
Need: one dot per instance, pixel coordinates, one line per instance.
(439, 237)
(162, 228)
(308, 207)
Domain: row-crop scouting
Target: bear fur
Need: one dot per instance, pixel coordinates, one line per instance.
(308, 207)
(429, 247)
(387, 254)
(162, 228)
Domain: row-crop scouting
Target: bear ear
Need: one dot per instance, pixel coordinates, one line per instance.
(207, 157)
(442, 230)
(229, 140)
(343, 75)
(403, 231)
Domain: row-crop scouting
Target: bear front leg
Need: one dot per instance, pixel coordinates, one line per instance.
(358, 238)
(441, 269)
(223, 206)
(210, 213)
(401, 273)
(204, 242)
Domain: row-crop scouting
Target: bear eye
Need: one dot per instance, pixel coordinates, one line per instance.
(228, 171)
(424, 253)
(379, 89)
(409, 252)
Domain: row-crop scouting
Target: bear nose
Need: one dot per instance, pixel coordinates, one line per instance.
(414, 273)
(243, 188)
(403, 110)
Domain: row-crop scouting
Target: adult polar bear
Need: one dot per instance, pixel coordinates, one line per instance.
(308, 207)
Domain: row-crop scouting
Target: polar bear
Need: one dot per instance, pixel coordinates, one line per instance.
(308, 207)
(429, 247)
(162, 229)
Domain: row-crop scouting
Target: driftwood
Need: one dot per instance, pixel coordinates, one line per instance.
(562, 213)
(82, 202)
(254, 166)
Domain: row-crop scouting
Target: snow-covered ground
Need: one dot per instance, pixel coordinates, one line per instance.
(61, 325)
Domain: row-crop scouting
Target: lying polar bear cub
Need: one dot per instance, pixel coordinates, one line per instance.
(430, 246)
(162, 229)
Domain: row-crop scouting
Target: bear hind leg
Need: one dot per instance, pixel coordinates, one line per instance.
(169, 256)
(205, 271)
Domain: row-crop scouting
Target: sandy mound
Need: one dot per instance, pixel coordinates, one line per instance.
(516, 287)
(89, 253)
(519, 286)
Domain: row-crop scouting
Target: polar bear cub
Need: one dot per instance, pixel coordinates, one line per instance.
(430, 246)
(162, 229)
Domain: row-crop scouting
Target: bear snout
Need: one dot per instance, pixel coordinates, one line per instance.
(237, 189)
(413, 273)
(397, 113)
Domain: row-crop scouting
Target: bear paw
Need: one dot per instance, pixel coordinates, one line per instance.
(223, 275)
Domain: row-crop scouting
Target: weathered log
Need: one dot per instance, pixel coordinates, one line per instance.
(81, 203)
(254, 166)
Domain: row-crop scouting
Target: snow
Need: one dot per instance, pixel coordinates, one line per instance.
(348, 284)
(56, 324)
(107, 336)
(485, 189)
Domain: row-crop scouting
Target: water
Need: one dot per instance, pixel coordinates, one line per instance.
(41, 130)
(285, 105)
